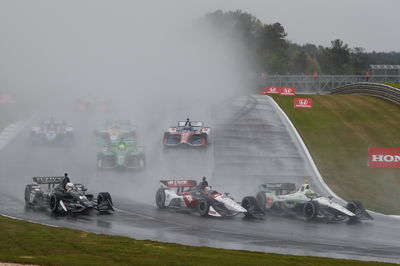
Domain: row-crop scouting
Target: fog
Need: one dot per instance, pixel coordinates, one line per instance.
(155, 61)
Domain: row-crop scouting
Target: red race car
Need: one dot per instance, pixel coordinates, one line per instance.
(206, 201)
(188, 133)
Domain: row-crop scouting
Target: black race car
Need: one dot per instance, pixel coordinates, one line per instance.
(52, 193)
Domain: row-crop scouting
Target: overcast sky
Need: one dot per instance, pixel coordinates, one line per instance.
(95, 43)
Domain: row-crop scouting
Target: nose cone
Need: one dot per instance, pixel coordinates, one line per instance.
(233, 206)
(185, 137)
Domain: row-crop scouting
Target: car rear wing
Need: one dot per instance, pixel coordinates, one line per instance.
(48, 180)
(278, 186)
(178, 183)
(192, 123)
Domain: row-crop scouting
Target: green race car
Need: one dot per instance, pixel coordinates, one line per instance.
(121, 154)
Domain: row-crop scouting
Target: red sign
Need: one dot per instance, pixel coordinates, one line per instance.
(287, 91)
(272, 90)
(302, 102)
(384, 157)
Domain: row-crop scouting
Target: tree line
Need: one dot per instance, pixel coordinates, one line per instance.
(273, 53)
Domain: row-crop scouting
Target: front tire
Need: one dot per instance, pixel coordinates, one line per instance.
(203, 207)
(104, 196)
(251, 205)
(160, 198)
(354, 206)
(310, 210)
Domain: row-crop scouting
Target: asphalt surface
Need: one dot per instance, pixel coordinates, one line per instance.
(252, 143)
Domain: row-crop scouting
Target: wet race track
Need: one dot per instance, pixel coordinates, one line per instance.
(252, 143)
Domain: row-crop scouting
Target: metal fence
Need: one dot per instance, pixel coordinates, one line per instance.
(322, 83)
(372, 89)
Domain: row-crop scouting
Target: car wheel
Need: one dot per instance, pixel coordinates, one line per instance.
(310, 210)
(354, 206)
(54, 201)
(251, 205)
(104, 196)
(203, 207)
(262, 199)
(27, 194)
(160, 198)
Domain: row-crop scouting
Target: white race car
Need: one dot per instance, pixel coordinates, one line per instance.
(284, 198)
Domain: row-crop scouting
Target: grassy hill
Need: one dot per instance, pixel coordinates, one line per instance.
(338, 131)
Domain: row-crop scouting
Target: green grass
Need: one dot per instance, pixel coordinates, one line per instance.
(396, 85)
(25, 242)
(338, 131)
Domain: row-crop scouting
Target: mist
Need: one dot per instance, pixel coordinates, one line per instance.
(157, 62)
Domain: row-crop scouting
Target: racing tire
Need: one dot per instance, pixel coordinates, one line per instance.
(160, 198)
(354, 206)
(261, 199)
(310, 210)
(27, 194)
(104, 196)
(203, 207)
(250, 203)
(54, 201)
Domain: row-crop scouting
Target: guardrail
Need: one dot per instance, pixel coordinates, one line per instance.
(321, 83)
(372, 89)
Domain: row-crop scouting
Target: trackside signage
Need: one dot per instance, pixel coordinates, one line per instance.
(303, 103)
(271, 90)
(384, 157)
(287, 91)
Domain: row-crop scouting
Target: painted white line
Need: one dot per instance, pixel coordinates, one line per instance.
(10, 132)
(25, 220)
(307, 153)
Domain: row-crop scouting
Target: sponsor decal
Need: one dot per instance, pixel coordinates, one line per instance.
(303, 103)
(384, 157)
(180, 183)
(287, 91)
(271, 90)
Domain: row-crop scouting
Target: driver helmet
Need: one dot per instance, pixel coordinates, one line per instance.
(187, 119)
(207, 189)
(69, 186)
(122, 146)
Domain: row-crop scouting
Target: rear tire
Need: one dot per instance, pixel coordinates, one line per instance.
(203, 207)
(354, 206)
(27, 194)
(54, 201)
(160, 198)
(261, 199)
(310, 210)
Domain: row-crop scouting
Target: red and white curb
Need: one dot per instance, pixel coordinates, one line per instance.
(9, 132)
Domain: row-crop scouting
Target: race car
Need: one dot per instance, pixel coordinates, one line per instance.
(113, 130)
(186, 194)
(123, 154)
(52, 193)
(88, 103)
(283, 198)
(52, 132)
(194, 135)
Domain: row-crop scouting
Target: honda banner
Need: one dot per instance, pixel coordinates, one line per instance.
(271, 90)
(384, 157)
(302, 102)
(286, 91)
